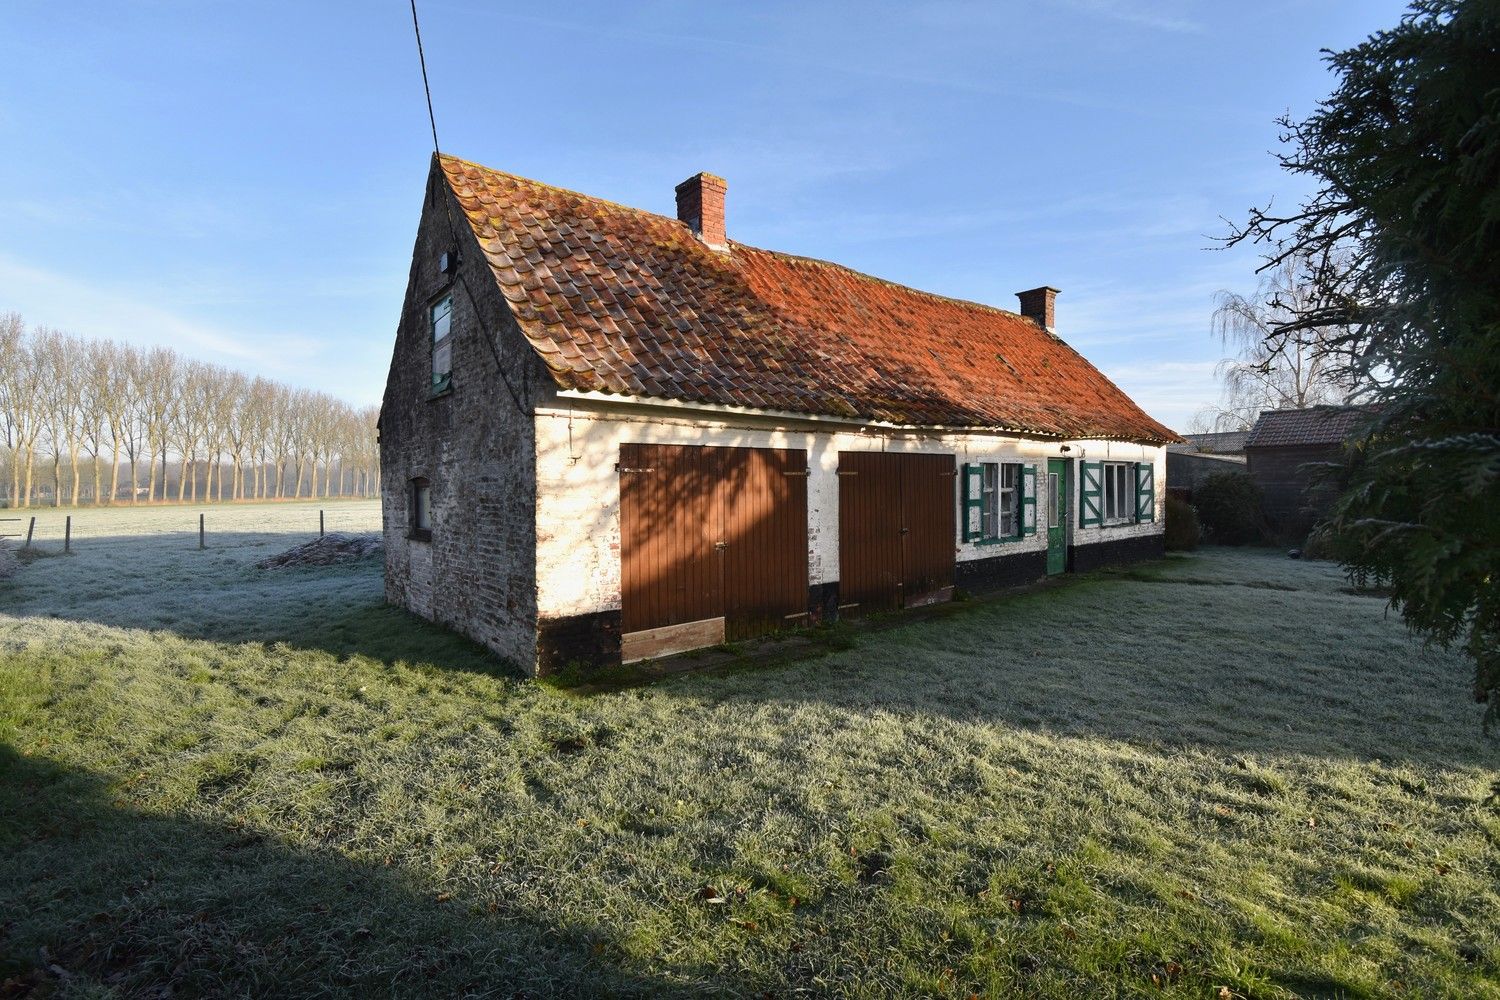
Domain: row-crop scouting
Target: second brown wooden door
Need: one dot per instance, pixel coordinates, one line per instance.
(896, 530)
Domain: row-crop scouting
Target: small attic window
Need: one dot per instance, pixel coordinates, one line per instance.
(440, 319)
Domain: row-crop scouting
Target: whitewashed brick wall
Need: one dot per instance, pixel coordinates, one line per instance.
(578, 496)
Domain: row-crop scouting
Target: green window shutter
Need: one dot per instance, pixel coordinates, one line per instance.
(1145, 491)
(972, 525)
(1090, 494)
(1028, 500)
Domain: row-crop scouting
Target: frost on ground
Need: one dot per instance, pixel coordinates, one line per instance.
(7, 560)
(337, 547)
(1221, 774)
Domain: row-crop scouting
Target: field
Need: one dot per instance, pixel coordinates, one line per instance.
(1226, 775)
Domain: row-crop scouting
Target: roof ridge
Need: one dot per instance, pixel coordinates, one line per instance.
(785, 255)
(568, 191)
(804, 259)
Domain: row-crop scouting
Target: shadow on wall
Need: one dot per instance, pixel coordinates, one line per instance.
(141, 904)
(164, 583)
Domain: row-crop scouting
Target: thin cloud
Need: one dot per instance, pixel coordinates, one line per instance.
(91, 311)
(1129, 13)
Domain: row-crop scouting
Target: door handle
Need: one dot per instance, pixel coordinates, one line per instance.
(905, 530)
(721, 546)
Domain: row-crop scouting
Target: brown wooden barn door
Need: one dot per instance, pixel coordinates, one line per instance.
(869, 532)
(927, 539)
(895, 530)
(713, 545)
(765, 536)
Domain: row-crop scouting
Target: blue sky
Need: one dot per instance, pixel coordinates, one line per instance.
(242, 181)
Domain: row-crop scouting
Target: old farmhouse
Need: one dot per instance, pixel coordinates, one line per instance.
(609, 434)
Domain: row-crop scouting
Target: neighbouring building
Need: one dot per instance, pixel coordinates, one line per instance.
(609, 434)
(1227, 444)
(1199, 456)
(1288, 455)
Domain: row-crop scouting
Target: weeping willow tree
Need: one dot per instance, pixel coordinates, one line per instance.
(1399, 251)
(1265, 371)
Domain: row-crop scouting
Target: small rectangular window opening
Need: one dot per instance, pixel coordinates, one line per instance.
(421, 510)
(441, 322)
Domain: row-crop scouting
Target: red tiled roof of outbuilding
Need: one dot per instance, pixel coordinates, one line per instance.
(623, 301)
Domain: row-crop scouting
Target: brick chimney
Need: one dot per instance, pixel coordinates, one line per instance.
(700, 204)
(1040, 306)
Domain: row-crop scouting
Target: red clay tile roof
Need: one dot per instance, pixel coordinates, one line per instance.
(624, 301)
(1296, 428)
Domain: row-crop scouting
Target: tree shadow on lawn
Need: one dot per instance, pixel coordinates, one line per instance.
(140, 903)
(164, 583)
(1148, 661)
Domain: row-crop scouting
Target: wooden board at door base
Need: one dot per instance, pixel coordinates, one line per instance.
(648, 644)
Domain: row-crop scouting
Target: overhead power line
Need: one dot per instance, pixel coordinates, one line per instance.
(422, 58)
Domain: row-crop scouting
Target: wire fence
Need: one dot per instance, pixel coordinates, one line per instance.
(206, 528)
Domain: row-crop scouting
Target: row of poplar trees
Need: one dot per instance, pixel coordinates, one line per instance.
(101, 421)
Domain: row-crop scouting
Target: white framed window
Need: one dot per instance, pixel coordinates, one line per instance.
(992, 501)
(1119, 492)
(440, 320)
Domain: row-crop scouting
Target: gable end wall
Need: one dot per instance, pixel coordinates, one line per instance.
(477, 574)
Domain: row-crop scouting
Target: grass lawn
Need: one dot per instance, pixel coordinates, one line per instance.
(1221, 776)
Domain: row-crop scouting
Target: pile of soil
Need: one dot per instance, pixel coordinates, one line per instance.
(334, 547)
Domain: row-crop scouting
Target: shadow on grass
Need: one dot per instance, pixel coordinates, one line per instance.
(96, 896)
(164, 582)
(1135, 656)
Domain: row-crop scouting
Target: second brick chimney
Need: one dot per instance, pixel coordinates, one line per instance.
(1040, 305)
(700, 204)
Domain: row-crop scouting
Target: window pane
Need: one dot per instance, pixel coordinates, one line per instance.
(422, 506)
(1007, 526)
(442, 359)
(990, 526)
(1109, 492)
(442, 314)
(1052, 488)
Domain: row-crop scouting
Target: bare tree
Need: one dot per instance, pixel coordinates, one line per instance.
(1268, 371)
(20, 404)
(71, 399)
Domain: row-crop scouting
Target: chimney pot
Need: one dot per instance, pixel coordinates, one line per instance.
(1040, 306)
(700, 204)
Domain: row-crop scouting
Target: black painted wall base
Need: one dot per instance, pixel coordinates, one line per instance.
(1015, 569)
(1083, 558)
(589, 641)
(823, 603)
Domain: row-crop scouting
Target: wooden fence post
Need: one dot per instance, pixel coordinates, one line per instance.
(68, 534)
(320, 522)
(201, 543)
(29, 529)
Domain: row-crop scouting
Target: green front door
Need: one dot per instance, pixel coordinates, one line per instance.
(1057, 515)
